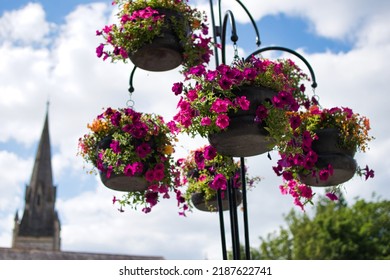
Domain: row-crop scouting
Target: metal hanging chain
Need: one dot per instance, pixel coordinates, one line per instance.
(130, 103)
(235, 48)
(315, 98)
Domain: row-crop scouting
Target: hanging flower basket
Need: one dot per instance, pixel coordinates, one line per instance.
(223, 104)
(318, 150)
(156, 35)
(133, 153)
(121, 181)
(244, 136)
(211, 204)
(165, 51)
(331, 155)
(204, 172)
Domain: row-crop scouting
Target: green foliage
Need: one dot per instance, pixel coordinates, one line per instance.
(335, 232)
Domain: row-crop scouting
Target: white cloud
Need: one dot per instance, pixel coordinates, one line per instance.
(24, 82)
(13, 179)
(342, 20)
(25, 26)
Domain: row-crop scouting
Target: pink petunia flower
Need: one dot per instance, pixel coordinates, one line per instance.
(222, 121)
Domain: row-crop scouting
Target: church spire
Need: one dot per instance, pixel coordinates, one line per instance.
(42, 171)
(40, 219)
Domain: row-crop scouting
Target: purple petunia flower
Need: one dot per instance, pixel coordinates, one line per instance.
(210, 152)
(143, 150)
(115, 146)
(177, 88)
(219, 182)
(332, 196)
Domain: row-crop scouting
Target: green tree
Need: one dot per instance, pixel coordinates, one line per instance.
(335, 231)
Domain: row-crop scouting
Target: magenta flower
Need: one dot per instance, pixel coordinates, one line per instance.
(305, 191)
(219, 182)
(206, 121)
(261, 113)
(199, 159)
(177, 88)
(139, 130)
(159, 166)
(307, 140)
(220, 106)
(198, 70)
(298, 203)
(114, 199)
(348, 111)
(332, 196)
(324, 174)
(287, 175)
(225, 83)
(192, 95)
(151, 198)
(149, 175)
(158, 174)
(133, 168)
(278, 170)
(129, 170)
(223, 69)
(183, 118)
(211, 75)
(283, 189)
(302, 88)
(222, 121)
(243, 102)
(369, 173)
(115, 146)
(99, 50)
(109, 171)
(250, 73)
(210, 153)
(123, 53)
(202, 178)
(311, 159)
(295, 122)
(173, 127)
(116, 118)
(143, 150)
(107, 29)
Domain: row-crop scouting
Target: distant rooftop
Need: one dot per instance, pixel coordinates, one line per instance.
(24, 254)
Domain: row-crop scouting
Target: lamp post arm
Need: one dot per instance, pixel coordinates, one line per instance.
(277, 48)
(216, 30)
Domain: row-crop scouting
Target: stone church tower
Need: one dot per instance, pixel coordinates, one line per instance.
(36, 236)
(39, 227)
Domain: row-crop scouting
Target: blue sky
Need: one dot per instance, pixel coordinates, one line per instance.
(48, 51)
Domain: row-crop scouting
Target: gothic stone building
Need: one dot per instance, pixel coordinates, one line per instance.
(37, 234)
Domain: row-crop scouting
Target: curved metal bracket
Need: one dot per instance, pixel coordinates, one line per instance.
(130, 102)
(233, 37)
(131, 88)
(277, 48)
(258, 42)
(248, 14)
(217, 29)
